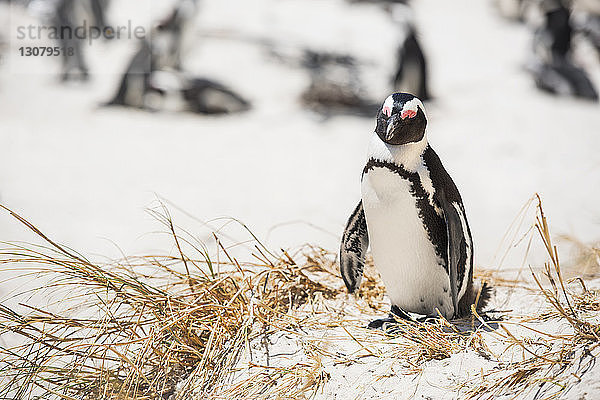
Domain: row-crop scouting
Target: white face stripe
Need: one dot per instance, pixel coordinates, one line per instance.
(388, 104)
(413, 105)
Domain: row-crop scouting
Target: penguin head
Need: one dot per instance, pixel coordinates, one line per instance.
(401, 119)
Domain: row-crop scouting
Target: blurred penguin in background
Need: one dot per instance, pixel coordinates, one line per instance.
(162, 51)
(586, 20)
(552, 65)
(335, 85)
(410, 72)
(411, 67)
(156, 72)
(71, 14)
(172, 33)
(73, 66)
(135, 82)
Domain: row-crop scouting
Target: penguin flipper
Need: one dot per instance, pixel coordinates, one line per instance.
(456, 242)
(355, 242)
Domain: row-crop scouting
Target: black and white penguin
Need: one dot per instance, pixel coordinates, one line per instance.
(411, 65)
(135, 84)
(173, 34)
(335, 85)
(65, 16)
(155, 74)
(413, 217)
(587, 23)
(162, 51)
(552, 65)
(198, 95)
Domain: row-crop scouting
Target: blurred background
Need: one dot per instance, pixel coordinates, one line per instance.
(262, 110)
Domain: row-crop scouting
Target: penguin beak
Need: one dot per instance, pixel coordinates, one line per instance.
(392, 125)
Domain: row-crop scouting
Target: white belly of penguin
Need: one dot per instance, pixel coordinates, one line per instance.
(413, 274)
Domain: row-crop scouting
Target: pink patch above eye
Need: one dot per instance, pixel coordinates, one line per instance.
(387, 111)
(408, 113)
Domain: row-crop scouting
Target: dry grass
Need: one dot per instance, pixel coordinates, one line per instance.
(372, 288)
(297, 381)
(433, 341)
(551, 362)
(137, 335)
(185, 326)
(586, 258)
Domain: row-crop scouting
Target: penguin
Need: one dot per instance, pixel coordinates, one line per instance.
(588, 25)
(162, 51)
(72, 14)
(552, 65)
(198, 95)
(413, 217)
(155, 72)
(411, 71)
(204, 96)
(411, 65)
(336, 86)
(173, 33)
(135, 83)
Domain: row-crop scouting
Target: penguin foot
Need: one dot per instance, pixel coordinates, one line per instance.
(395, 314)
(489, 322)
(429, 319)
(379, 323)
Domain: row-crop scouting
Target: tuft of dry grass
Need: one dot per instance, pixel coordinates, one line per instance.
(551, 363)
(586, 259)
(138, 328)
(372, 288)
(423, 342)
(298, 381)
